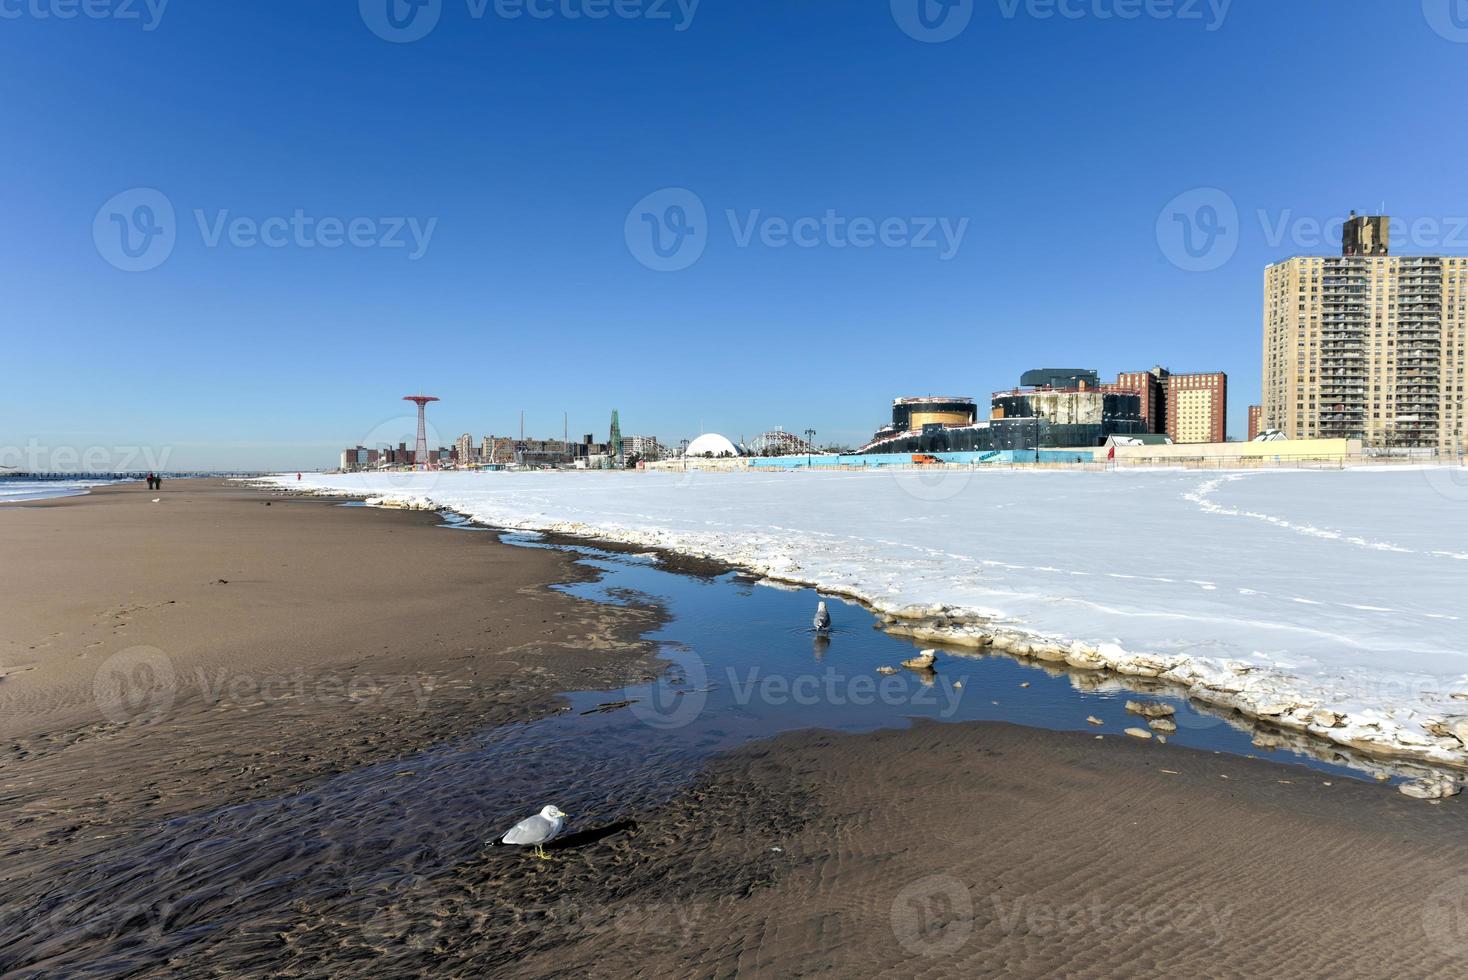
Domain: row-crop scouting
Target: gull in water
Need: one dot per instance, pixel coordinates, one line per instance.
(823, 618)
(535, 831)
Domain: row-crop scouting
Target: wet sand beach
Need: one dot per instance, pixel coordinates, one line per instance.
(193, 669)
(162, 659)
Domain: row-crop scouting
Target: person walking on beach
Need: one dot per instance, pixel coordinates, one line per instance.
(150, 481)
(158, 482)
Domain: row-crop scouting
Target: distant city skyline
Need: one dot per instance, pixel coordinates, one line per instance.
(741, 217)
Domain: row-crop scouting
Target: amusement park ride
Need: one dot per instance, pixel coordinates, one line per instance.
(778, 442)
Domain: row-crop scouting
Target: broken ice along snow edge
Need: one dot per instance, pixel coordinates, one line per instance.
(1255, 692)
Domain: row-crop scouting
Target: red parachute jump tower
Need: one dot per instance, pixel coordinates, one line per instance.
(420, 452)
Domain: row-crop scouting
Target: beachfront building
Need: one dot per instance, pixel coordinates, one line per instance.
(711, 445)
(1151, 388)
(1053, 407)
(464, 451)
(1197, 408)
(643, 447)
(1187, 408)
(1367, 345)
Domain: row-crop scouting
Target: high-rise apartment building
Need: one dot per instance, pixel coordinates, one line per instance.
(1152, 386)
(1367, 345)
(1256, 413)
(645, 448)
(1186, 407)
(1197, 407)
(464, 449)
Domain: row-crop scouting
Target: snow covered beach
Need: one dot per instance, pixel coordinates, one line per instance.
(1328, 602)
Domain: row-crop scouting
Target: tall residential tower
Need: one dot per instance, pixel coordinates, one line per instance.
(1367, 345)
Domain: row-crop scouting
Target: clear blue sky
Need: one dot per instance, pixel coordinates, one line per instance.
(528, 141)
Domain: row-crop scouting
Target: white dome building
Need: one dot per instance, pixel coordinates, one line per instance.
(711, 444)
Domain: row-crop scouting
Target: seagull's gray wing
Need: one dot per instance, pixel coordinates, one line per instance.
(532, 830)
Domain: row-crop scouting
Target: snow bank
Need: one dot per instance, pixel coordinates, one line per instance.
(1327, 603)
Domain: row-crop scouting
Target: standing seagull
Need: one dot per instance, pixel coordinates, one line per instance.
(538, 830)
(823, 618)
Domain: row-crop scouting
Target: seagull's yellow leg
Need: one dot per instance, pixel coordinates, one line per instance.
(540, 853)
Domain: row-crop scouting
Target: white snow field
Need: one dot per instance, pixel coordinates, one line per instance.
(1326, 601)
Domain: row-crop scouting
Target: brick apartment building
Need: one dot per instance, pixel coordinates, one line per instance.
(1185, 407)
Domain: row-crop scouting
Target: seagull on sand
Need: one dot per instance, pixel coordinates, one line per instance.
(823, 618)
(535, 831)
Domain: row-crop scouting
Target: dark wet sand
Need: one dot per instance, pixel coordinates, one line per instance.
(209, 649)
(993, 850)
(956, 850)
